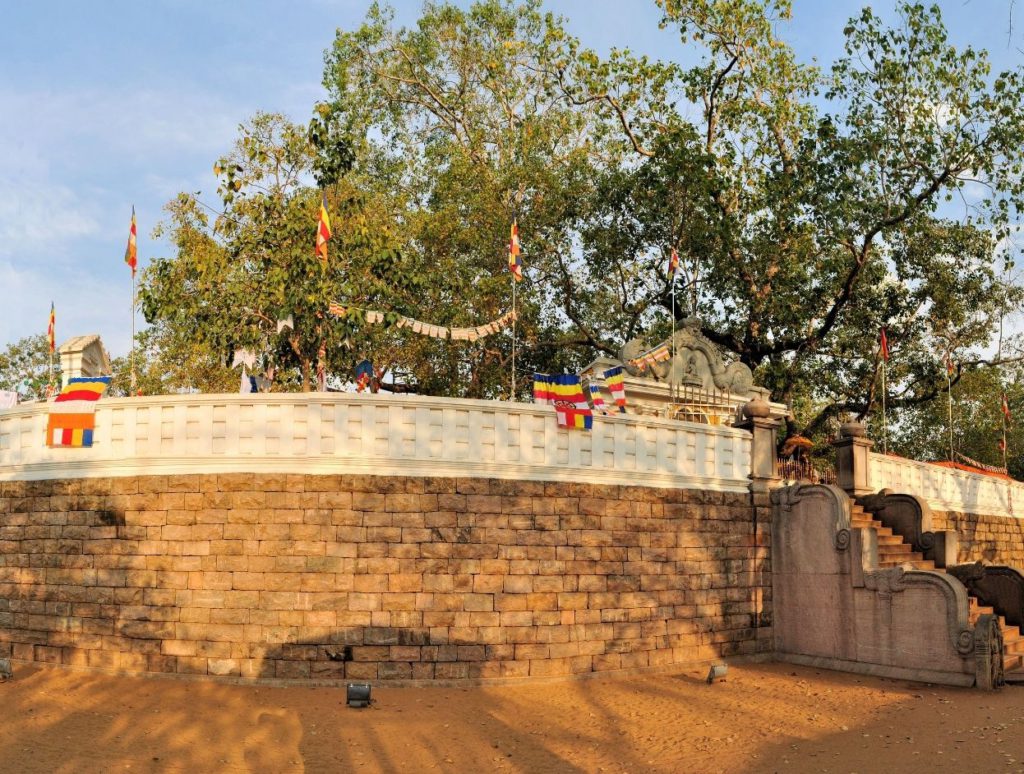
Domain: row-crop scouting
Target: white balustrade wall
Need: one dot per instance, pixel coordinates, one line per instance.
(324, 433)
(947, 489)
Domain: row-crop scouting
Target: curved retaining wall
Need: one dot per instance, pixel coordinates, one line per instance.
(376, 577)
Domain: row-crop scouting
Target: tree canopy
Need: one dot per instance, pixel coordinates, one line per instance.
(811, 206)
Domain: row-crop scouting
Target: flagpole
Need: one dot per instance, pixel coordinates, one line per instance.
(133, 390)
(1003, 409)
(513, 394)
(1005, 441)
(885, 422)
(672, 332)
(949, 393)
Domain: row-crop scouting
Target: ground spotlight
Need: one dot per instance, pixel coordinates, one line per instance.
(717, 670)
(357, 695)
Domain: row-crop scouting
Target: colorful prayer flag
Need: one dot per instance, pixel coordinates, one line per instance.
(321, 368)
(574, 419)
(673, 264)
(51, 330)
(364, 375)
(565, 391)
(515, 262)
(615, 379)
(1005, 406)
(323, 231)
(884, 346)
(72, 416)
(950, 368)
(597, 399)
(131, 253)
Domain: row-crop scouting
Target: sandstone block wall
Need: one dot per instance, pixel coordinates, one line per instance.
(342, 577)
(982, 537)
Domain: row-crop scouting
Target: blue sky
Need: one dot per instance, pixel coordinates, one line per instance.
(109, 104)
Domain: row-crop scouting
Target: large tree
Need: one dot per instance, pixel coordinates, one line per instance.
(811, 207)
(815, 209)
(239, 272)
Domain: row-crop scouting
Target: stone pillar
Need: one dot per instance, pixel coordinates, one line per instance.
(83, 356)
(764, 462)
(852, 449)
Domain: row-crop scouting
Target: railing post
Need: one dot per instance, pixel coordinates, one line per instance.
(852, 458)
(764, 461)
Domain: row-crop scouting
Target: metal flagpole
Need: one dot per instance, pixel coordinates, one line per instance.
(885, 422)
(513, 395)
(1004, 439)
(133, 333)
(673, 387)
(949, 393)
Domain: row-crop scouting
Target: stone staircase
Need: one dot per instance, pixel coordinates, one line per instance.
(895, 551)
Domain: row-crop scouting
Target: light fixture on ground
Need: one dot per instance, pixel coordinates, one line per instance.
(717, 671)
(357, 695)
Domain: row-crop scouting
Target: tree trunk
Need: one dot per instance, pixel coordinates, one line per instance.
(307, 384)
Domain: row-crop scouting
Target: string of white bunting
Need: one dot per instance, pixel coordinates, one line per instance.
(374, 317)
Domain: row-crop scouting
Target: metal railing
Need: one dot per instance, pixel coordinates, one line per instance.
(807, 470)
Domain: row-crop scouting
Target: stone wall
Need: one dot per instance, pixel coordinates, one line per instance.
(374, 577)
(983, 537)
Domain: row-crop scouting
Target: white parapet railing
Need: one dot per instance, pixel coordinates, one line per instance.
(330, 433)
(947, 489)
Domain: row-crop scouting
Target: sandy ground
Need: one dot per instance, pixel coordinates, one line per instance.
(764, 717)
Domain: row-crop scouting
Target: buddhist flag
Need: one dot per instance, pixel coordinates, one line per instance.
(673, 264)
(515, 262)
(73, 414)
(131, 253)
(597, 399)
(51, 330)
(950, 368)
(884, 346)
(615, 379)
(364, 375)
(323, 231)
(565, 391)
(1005, 406)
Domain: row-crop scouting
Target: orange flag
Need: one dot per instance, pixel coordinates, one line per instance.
(515, 263)
(131, 253)
(323, 231)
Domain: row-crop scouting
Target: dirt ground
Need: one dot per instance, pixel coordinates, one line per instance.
(762, 718)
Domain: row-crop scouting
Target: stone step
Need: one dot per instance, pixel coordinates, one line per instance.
(890, 540)
(914, 564)
(879, 530)
(1014, 675)
(894, 548)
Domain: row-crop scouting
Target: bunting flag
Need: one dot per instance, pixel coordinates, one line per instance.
(884, 347)
(565, 391)
(615, 378)
(321, 368)
(515, 262)
(245, 357)
(1005, 408)
(51, 330)
(374, 317)
(364, 375)
(673, 264)
(131, 253)
(596, 399)
(659, 354)
(248, 383)
(73, 413)
(323, 231)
